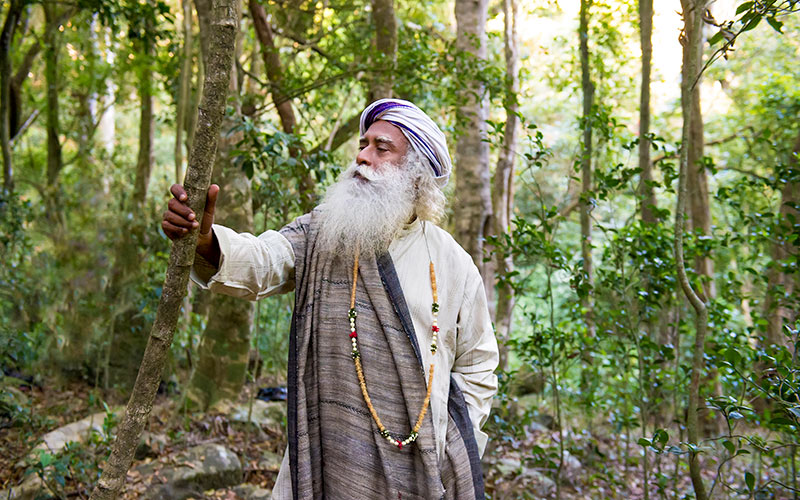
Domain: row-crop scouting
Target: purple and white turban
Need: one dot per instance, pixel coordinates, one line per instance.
(423, 135)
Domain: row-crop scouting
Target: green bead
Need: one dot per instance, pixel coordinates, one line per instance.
(352, 313)
(435, 307)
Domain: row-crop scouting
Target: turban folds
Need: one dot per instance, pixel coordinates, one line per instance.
(423, 135)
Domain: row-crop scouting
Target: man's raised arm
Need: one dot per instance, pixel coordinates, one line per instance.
(236, 264)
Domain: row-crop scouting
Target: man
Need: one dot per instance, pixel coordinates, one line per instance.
(390, 321)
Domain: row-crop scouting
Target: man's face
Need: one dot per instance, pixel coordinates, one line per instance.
(382, 144)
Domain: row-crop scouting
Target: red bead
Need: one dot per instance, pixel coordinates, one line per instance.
(353, 335)
(435, 328)
(400, 445)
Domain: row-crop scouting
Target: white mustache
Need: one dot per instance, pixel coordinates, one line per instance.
(367, 173)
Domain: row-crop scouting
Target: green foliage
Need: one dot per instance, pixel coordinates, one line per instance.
(78, 464)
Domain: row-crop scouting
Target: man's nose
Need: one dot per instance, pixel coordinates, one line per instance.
(364, 157)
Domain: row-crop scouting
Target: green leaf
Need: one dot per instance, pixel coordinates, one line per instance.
(644, 442)
(729, 446)
(752, 23)
(750, 480)
(781, 421)
(743, 7)
(45, 459)
(716, 38)
(776, 25)
(735, 415)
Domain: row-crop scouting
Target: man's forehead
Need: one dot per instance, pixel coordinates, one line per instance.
(382, 128)
(379, 138)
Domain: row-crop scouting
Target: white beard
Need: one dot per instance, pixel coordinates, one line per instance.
(367, 214)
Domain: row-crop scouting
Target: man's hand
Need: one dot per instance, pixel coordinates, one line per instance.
(179, 219)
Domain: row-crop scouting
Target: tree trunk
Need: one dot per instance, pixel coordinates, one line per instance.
(385, 22)
(225, 344)
(692, 10)
(503, 194)
(473, 206)
(699, 208)
(6, 37)
(587, 301)
(646, 193)
(282, 102)
(144, 163)
(780, 285)
(273, 66)
(51, 50)
(198, 178)
(15, 97)
(183, 101)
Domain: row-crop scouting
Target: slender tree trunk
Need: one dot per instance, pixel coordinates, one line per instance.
(587, 302)
(198, 178)
(184, 90)
(385, 22)
(225, 345)
(699, 207)
(144, 163)
(6, 38)
(646, 193)
(51, 50)
(692, 10)
(283, 103)
(503, 194)
(273, 66)
(698, 201)
(15, 97)
(473, 206)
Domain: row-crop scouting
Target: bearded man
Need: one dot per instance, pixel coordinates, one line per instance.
(392, 351)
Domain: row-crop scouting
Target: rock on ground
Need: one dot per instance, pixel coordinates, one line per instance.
(270, 414)
(189, 473)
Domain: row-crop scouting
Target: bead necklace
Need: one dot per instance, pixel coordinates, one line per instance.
(356, 354)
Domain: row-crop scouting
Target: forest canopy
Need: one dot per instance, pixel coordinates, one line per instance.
(625, 178)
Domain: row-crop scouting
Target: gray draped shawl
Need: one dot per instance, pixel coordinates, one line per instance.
(335, 448)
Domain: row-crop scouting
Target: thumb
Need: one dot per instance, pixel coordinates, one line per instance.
(208, 212)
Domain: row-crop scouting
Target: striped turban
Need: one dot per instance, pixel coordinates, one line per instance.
(423, 135)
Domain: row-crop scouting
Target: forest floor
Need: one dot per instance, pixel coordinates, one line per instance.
(597, 465)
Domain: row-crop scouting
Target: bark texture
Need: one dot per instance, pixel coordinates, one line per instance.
(699, 207)
(144, 162)
(473, 205)
(385, 22)
(282, 102)
(587, 86)
(6, 36)
(503, 188)
(51, 53)
(198, 178)
(646, 193)
(692, 23)
(183, 101)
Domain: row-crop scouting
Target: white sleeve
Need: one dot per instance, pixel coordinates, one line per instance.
(250, 267)
(476, 357)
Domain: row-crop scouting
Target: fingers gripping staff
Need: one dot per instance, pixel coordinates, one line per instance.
(198, 177)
